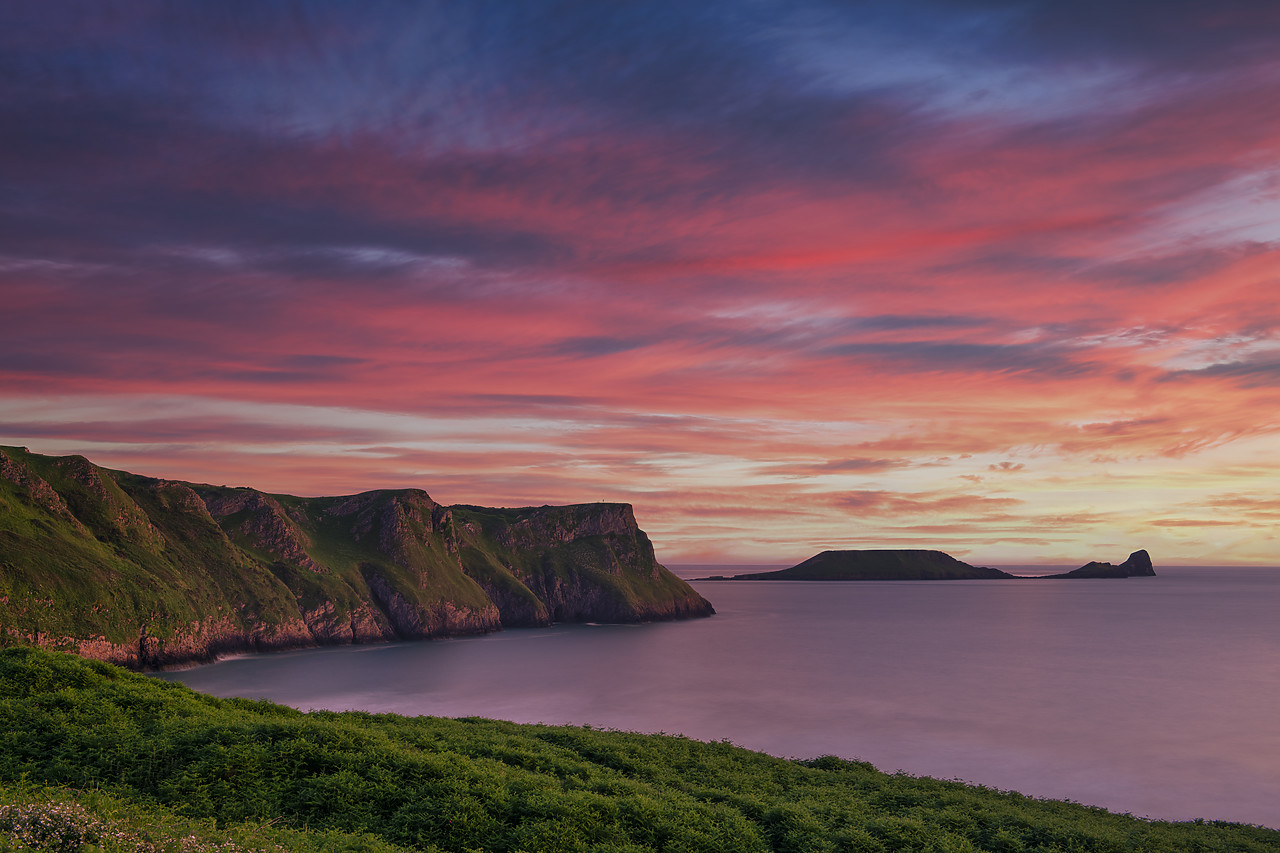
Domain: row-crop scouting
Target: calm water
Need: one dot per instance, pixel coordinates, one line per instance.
(1155, 696)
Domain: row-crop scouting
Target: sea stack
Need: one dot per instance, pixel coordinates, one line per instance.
(1137, 565)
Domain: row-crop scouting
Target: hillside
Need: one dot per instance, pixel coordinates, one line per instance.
(147, 572)
(141, 759)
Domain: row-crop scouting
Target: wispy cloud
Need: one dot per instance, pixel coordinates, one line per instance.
(779, 274)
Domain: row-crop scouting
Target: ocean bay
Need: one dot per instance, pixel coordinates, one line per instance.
(1154, 696)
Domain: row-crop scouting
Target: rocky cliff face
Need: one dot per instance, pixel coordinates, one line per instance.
(261, 521)
(575, 563)
(147, 572)
(38, 491)
(1138, 565)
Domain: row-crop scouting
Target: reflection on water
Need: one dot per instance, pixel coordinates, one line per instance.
(1155, 696)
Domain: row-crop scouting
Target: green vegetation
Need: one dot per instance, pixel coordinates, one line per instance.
(113, 760)
(63, 820)
(147, 572)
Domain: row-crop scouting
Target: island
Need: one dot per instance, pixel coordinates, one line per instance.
(146, 572)
(917, 565)
(1138, 565)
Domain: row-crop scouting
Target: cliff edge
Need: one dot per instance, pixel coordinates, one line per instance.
(145, 572)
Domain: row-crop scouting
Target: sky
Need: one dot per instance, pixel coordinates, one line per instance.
(998, 278)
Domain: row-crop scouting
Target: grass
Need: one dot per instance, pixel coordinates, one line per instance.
(258, 774)
(68, 820)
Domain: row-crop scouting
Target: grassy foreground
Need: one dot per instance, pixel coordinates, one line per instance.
(94, 757)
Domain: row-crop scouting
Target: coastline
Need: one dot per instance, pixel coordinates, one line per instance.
(1075, 691)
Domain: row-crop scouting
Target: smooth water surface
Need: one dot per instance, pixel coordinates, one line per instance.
(1157, 696)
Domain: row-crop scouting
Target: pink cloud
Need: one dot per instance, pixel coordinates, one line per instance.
(613, 311)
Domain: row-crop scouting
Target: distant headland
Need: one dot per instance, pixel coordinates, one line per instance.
(922, 565)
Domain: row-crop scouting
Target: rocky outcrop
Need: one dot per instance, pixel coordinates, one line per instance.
(548, 525)
(393, 517)
(102, 506)
(411, 621)
(203, 641)
(1137, 565)
(261, 522)
(39, 492)
(147, 572)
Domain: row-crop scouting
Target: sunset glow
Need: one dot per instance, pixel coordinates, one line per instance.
(998, 278)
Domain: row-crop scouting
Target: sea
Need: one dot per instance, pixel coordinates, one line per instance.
(1157, 696)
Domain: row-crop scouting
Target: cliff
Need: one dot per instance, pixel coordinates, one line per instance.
(145, 572)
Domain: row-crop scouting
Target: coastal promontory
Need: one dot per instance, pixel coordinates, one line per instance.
(1138, 565)
(148, 572)
(878, 565)
(922, 565)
